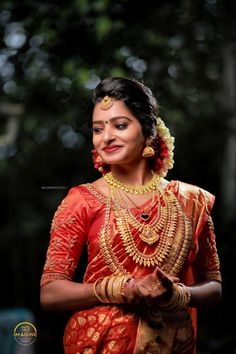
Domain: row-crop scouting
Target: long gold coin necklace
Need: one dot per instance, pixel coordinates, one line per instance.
(158, 234)
(148, 231)
(164, 232)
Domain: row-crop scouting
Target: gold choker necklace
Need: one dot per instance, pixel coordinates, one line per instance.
(146, 188)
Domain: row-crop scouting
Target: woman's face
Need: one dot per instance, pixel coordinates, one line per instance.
(117, 134)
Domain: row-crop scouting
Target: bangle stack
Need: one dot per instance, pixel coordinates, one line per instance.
(110, 290)
(180, 299)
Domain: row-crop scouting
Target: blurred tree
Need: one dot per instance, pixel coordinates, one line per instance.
(52, 54)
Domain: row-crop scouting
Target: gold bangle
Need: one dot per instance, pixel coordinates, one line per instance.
(121, 287)
(125, 280)
(116, 290)
(180, 298)
(104, 290)
(111, 289)
(98, 281)
(187, 293)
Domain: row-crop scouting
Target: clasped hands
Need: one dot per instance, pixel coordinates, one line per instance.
(155, 288)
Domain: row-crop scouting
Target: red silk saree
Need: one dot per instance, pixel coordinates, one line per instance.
(191, 255)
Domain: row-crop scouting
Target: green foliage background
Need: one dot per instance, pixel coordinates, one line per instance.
(52, 54)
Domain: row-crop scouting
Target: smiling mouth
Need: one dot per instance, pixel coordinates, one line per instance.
(110, 149)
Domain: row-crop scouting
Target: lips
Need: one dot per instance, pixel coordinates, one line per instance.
(111, 148)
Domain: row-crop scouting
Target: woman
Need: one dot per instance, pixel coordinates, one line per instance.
(152, 257)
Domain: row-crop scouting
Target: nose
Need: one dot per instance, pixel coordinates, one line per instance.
(108, 134)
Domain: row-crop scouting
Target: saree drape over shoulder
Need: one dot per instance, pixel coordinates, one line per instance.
(189, 252)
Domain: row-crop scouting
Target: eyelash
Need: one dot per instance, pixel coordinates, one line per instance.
(96, 130)
(119, 126)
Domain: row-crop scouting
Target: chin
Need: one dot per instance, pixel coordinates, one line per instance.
(113, 160)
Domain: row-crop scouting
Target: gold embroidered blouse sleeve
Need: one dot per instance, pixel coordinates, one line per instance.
(198, 204)
(207, 264)
(67, 237)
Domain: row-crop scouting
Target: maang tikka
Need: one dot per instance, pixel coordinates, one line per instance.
(106, 102)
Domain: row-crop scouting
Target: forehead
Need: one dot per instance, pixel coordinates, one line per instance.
(118, 109)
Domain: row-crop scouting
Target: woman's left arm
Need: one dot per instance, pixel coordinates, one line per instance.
(205, 294)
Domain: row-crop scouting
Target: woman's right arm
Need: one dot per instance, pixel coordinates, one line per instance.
(65, 295)
(67, 238)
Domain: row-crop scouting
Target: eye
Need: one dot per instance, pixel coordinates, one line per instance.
(121, 126)
(97, 130)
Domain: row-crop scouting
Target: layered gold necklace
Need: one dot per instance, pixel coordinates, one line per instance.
(146, 188)
(155, 233)
(160, 231)
(149, 232)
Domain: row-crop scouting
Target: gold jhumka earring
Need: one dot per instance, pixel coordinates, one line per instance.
(106, 103)
(148, 151)
(99, 159)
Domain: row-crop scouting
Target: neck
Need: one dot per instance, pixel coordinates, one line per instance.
(132, 175)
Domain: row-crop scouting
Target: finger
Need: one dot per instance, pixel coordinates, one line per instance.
(156, 270)
(166, 280)
(146, 289)
(162, 275)
(175, 279)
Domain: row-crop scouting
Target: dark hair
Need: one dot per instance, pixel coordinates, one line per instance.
(137, 97)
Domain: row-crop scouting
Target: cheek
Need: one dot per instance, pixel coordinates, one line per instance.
(95, 141)
(139, 140)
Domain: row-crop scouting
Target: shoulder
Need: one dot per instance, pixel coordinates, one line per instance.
(89, 194)
(75, 195)
(193, 194)
(190, 189)
(78, 198)
(101, 186)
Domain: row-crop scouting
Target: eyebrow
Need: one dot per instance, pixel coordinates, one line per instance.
(111, 119)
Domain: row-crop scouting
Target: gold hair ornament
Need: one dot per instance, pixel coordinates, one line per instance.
(106, 103)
